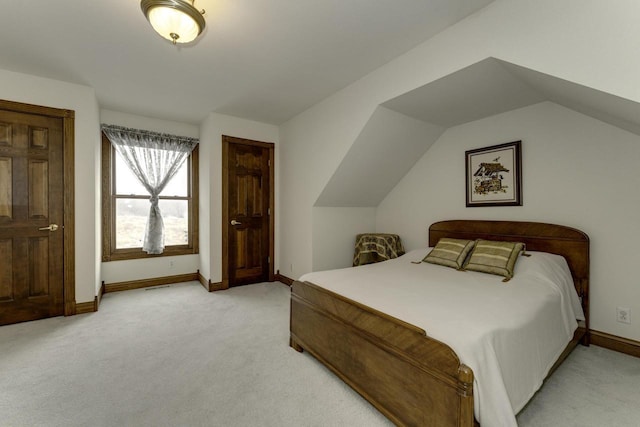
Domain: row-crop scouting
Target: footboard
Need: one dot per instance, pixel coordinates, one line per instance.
(409, 377)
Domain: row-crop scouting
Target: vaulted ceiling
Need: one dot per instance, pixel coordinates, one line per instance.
(265, 60)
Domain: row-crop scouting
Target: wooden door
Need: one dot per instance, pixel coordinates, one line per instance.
(31, 217)
(247, 254)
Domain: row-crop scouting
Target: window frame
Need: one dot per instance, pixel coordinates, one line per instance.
(109, 250)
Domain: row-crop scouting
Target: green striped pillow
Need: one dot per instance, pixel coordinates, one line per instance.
(494, 257)
(450, 252)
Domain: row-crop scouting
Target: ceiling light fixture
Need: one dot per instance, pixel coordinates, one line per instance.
(175, 20)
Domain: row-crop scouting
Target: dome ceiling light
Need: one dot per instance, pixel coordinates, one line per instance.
(176, 20)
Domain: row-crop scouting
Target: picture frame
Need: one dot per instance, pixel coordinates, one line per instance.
(494, 175)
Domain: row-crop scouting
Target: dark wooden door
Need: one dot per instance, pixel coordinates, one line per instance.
(247, 211)
(31, 217)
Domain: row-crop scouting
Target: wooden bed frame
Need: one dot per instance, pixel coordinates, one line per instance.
(411, 378)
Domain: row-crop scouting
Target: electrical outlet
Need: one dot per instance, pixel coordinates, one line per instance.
(623, 314)
(291, 268)
(171, 264)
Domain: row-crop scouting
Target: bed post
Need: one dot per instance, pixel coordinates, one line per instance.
(465, 391)
(584, 299)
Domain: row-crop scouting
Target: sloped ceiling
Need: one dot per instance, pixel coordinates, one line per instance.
(382, 153)
(603, 106)
(493, 86)
(481, 90)
(264, 60)
(388, 146)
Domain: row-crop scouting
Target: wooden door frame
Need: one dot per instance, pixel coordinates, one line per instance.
(68, 229)
(226, 140)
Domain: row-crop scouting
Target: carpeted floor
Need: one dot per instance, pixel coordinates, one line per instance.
(178, 356)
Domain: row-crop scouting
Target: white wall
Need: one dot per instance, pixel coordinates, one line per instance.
(334, 235)
(51, 93)
(388, 146)
(590, 43)
(211, 131)
(121, 271)
(570, 177)
(584, 42)
(312, 146)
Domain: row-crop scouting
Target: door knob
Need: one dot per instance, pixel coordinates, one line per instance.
(234, 222)
(51, 227)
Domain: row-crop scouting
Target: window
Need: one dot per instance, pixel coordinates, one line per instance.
(125, 208)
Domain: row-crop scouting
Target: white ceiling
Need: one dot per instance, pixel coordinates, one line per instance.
(493, 86)
(481, 90)
(265, 60)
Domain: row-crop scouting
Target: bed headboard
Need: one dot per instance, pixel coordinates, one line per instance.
(572, 244)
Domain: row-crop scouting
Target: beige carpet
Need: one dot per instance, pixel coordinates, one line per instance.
(178, 356)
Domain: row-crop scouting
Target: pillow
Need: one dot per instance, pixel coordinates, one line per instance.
(494, 257)
(450, 252)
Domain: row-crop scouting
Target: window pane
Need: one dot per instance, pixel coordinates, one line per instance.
(128, 184)
(178, 184)
(175, 214)
(126, 181)
(131, 220)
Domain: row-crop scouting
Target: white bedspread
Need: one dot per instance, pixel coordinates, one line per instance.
(510, 333)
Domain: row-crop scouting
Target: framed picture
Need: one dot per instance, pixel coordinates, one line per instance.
(494, 175)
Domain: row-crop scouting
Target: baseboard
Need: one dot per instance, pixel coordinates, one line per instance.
(612, 342)
(90, 306)
(284, 279)
(145, 283)
(100, 294)
(204, 281)
(87, 307)
(209, 287)
(218, 286)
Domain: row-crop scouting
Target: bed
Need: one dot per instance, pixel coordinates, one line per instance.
(408, 375)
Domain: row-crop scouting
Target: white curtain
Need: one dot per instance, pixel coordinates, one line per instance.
(154, 159)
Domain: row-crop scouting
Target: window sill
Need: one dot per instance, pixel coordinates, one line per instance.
(136, 253)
